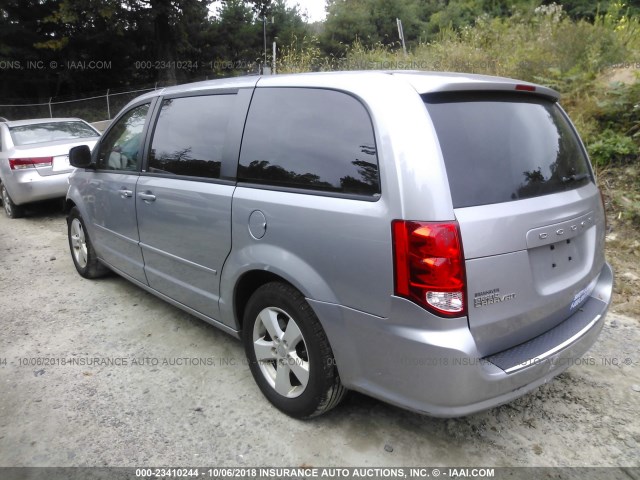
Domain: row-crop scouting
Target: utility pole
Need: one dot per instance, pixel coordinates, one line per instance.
(265, 68)
(264, 32)
(401, 35)
(273, 68)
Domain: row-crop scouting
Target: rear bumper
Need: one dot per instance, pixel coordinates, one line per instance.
(28, 186)
(439, 371)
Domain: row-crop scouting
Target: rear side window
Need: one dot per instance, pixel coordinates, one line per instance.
(189, 136)
(500, 148)
(309, 138)
(50, 132)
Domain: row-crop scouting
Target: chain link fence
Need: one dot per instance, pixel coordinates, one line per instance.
(92, 109)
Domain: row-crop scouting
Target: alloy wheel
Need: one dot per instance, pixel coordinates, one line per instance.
(281, 352)
(79, 243)
(6, 201)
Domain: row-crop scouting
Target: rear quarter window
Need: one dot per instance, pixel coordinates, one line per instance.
(312, 139)
(504, 147)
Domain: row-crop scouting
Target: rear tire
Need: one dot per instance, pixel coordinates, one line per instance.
(11, 209)
(82, 251)
(288, 352)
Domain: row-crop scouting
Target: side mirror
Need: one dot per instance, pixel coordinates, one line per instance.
(80, 157)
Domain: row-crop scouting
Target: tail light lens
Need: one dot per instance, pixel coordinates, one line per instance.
(20, 163)
(429, 265)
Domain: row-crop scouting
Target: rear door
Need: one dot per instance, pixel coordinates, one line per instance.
(112, 207)
(184, 195)
(529, 211)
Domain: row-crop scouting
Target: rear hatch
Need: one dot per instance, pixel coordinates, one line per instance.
(530, 214)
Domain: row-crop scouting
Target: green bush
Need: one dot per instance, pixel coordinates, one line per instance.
(610, 146)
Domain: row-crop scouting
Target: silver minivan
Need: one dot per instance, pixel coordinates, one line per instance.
(434, 240)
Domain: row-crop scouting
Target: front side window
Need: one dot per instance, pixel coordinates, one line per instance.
(189, 136)
(120, 149)
(50, 132)
(309, 138)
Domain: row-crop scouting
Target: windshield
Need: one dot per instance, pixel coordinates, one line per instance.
(500, 147)
(50, 132)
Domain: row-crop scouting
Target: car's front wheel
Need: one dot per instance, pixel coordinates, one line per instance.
(11, 209)
(82, 252)
(289, 354)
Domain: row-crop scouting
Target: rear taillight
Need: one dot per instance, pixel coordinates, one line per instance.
(429, 265)
(20, 163)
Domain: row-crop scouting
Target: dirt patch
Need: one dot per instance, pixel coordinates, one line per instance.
(88, 413)
(621, 189)
(624, 75)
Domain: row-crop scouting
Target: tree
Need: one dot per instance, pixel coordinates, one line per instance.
(83, 33)
(287, 23)
(170, 20)
(235, 35)
(21, 27)
(121, 34)
(371, 22)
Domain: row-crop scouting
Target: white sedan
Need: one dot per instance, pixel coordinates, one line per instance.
(34, 159)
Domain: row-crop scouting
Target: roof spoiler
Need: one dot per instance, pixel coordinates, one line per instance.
(525, 87)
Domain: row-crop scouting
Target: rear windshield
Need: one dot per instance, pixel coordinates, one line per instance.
(499, 148)
(50, 132)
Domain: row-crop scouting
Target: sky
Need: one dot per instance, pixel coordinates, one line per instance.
(314, 8)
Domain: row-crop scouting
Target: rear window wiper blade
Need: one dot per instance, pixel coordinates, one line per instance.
(575, 178)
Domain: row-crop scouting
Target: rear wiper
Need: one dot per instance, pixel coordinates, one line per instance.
(575, 178)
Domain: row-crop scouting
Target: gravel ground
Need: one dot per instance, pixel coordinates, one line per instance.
(182, 413)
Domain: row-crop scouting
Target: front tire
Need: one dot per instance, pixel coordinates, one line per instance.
(82, 252)
(289, 354)
(11, 209)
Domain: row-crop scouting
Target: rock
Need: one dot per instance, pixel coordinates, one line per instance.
(52, 258)
(388, 448)
(614, 324)
(630, 276)
(635, 388)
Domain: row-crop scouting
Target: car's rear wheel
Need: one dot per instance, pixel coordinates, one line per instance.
(82, 252)
(289, 354)
(11, 209)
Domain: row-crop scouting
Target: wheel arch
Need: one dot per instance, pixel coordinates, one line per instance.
(245, 287)
(253, 265)
(68, 205)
